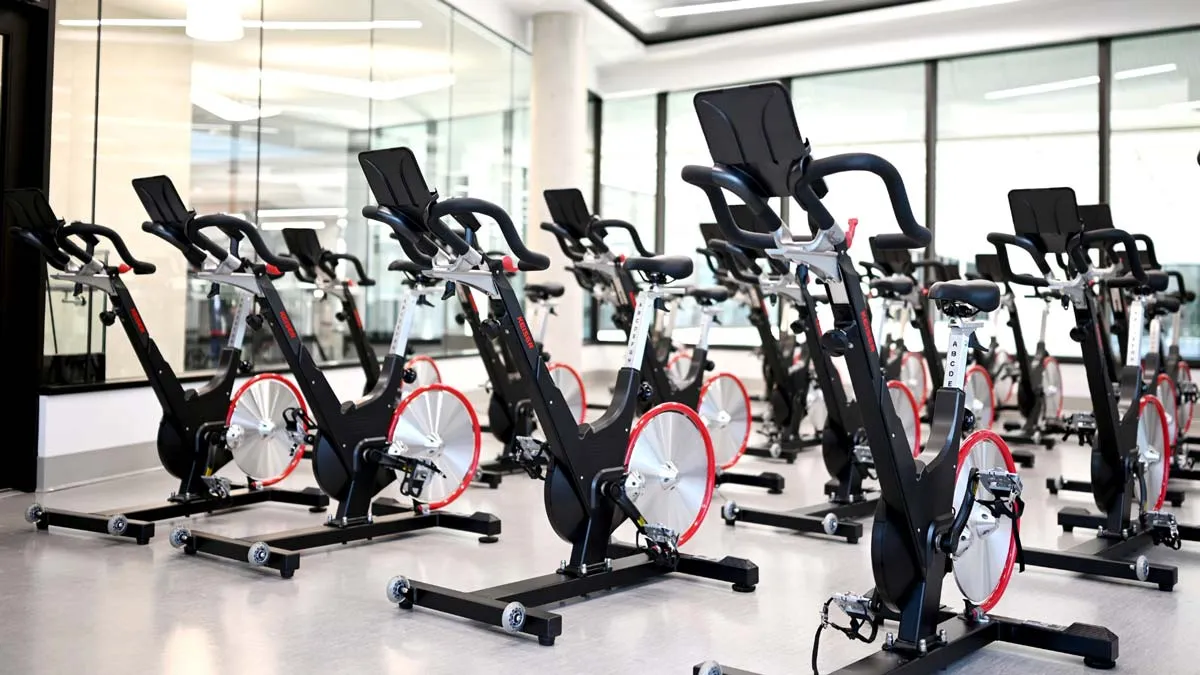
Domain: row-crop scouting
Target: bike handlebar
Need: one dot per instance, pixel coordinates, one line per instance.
(569, 248)
(235, 228)
(409, 240)
(363, 279)
(1002, 241)
(1077, 249)
(912, 235)
(605, 224)
(528, 261)
(54, 256)
(1183, 293)
(1150, 255)
(194, 256)
(742, 266)
(92, 230)
(713, 181)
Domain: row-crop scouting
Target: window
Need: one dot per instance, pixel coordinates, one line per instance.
(267, 123)
(1016, 120)
(1155, 137)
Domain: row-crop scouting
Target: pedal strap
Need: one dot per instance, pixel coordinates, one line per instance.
(999, 508)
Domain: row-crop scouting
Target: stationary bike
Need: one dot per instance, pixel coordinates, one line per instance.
(598, 474)
(191, 443)
(721, 399)
(1127, 430)
(428, 440)
(318, 266)
(954, 508)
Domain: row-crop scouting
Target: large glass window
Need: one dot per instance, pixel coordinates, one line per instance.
(1017, 120)
(1155, 137)
(260, 108)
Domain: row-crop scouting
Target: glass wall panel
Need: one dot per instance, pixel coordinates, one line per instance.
(260, 108)
(628, 178)
(1155, 137)
(1017, 120)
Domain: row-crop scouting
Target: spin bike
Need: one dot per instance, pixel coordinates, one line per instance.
(1035, 379)
(721, 400)
(428, 439)
(318, 266)
(191, 444)
(597, 475)
(1127, 431)
(954, 508)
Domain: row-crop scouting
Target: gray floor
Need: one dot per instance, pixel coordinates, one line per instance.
(82, 603)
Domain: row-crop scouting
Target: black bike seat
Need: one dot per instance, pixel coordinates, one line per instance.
(983, 296)
(672, 266)
(893, 286)
(1166, 304)
(544, 291)
(709, 294)
(406, 266)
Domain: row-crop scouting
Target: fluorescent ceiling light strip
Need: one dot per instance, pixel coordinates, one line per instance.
(1078, 82)
(725, 6)
(334, 211)
(264, 25)
(1132, 73)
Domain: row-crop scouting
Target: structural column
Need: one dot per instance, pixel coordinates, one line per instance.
(559, 147)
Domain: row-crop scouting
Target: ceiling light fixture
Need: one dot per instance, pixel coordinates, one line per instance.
(404, 24)
(214, 20)
(725, 6)
(1078, 82)
(229, 109)
(314, 212)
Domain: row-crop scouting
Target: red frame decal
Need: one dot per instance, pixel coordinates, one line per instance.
(287, 324)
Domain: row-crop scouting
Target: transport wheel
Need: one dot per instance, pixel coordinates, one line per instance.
(678, 369)
(815, 412)
(117, 525)
(256, 428)
(512, 619)
(671, 454)
(984, 560)
(1187, 407)
(729, 512)
(915, 375)
(179, 536)
(910, 415)
(1165, 391)
(397, 589)
(709, 668)
(437, 424)
(259, 554)
(725, 411)
(427, 372)
(34, 513)
(980, 397)
(1006, 378)
(1052, 389)
(569, 382)
(1153, 453)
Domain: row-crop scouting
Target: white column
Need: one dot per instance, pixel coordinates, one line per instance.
(559, 146)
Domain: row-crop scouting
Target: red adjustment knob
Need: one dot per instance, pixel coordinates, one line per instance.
(273, 270)
(123, 268)
(621, 258)
(852, 226)
(509, 265)
(349, 282)
(925, 291)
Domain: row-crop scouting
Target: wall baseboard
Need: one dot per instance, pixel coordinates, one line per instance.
(65, 471)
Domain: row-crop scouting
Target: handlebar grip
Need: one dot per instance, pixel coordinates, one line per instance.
(231, 225)
(628, 227)
(891, 241)
(528, 261)
(742, 266)
(194, 256)
(1002, 241)
(913, 231)
(563, 237)
(713, 181)
(1076, 249)
(80, 229)
(409, 240)
(1182, 293)
(1145, 239)
(363, 279)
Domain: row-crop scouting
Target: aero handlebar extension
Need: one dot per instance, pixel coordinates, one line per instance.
(565, 242)
(235, 228)
(194, 256)
(713, 180)
(742, 268)
(88, 229)
(528, 260)
(1002, 241)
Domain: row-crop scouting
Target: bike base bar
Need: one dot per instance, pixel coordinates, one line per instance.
(811, 519)
(768, 480)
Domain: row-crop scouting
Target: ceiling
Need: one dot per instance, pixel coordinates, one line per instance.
(657, 21)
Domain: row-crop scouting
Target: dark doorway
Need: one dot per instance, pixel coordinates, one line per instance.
(26, 39)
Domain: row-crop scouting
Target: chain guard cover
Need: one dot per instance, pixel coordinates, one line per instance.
(891, 561)
(567, 514)
(499, 419)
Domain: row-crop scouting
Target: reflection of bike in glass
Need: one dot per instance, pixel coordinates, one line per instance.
(192, 445)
